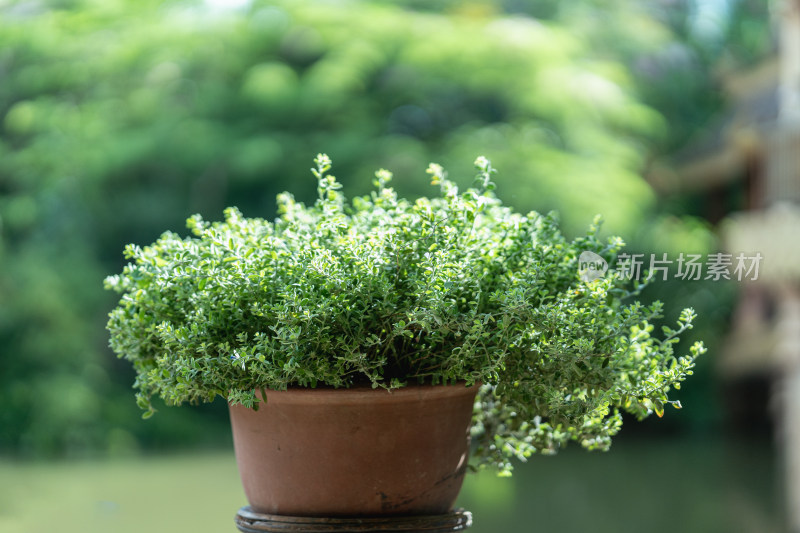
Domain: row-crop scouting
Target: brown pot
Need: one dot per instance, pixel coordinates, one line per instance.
(354, 452)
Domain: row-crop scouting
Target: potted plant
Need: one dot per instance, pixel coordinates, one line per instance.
(340, 325)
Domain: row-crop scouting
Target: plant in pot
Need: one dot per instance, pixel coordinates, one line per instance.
(350, 339)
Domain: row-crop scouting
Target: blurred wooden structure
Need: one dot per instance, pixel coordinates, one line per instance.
(754, 159)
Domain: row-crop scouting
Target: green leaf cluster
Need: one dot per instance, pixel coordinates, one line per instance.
(119, 119)
(383, 291)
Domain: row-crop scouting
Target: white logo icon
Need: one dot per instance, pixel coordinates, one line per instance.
(591, 266)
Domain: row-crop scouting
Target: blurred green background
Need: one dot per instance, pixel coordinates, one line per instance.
(119, 119)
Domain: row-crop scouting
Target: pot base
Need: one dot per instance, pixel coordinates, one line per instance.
(249, 521)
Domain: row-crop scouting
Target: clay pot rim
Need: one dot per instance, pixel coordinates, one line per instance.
(365, 393)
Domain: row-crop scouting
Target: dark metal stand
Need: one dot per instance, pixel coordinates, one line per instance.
(249, 521)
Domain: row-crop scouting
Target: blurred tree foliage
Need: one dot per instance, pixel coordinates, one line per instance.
(119, 119)
(678, 51)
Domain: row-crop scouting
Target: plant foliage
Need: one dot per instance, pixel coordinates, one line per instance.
(119, 119)
(385, 291)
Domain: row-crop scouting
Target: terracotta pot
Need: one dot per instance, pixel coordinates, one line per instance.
(354, 452)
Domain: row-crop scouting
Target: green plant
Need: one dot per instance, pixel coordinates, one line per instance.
(384, 291)
(119, 118)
